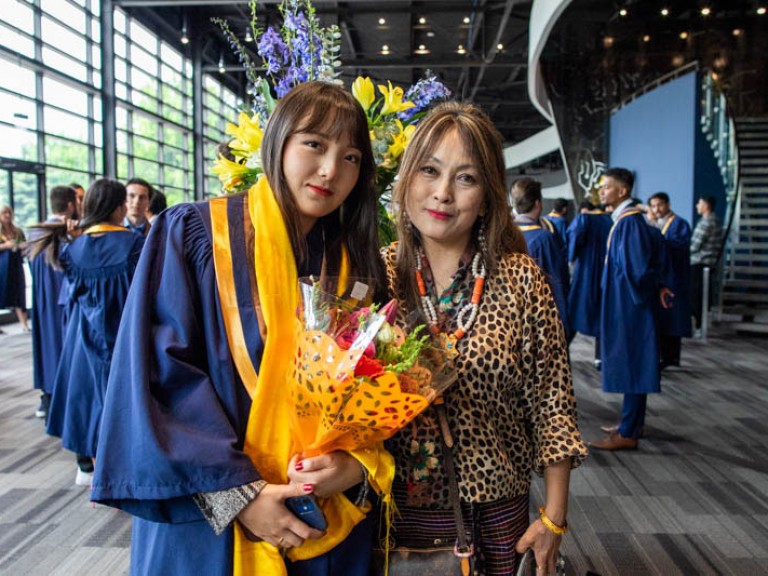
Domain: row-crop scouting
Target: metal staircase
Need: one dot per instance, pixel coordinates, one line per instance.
(745, 274)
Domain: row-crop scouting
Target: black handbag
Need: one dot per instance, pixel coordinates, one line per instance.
(462, 559)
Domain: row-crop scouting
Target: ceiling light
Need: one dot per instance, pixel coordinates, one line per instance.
(422, 20)
(499, 46)
(761, 10)
(623, 12)
(385, 49)
(646, 38)
(706, 11)
(184, 36)
(222, 69)
(678, 60)
(466, 20)
(248, 36)
(422, 49)
(608, 41)
(382, 21)
(665, 11)
(461, 49)
(737, 31)
(430, 34)
(683, 35)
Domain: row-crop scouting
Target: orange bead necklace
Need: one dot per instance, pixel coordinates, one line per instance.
(467, 314)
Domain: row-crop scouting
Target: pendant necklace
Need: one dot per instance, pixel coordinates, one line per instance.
(467, 314)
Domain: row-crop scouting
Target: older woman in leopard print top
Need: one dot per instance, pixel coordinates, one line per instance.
(461, 264)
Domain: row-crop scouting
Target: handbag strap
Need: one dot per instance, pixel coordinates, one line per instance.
(464, 549)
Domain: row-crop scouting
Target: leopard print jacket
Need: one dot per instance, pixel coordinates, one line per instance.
(512, 409)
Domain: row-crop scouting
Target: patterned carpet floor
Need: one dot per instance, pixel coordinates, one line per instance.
(693, 500)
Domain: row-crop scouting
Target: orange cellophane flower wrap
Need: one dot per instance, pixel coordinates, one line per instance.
(335, 410)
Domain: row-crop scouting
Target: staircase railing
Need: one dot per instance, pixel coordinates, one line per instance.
(719, 127)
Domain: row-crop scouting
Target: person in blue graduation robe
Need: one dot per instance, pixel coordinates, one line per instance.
(182, 348)
(674, 322)
(558, 217)
(47, 313)
(628, 338)
(99, 267)
(587, 237)
(544, 244)
(177, 422)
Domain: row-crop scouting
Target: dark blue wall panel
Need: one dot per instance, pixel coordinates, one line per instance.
(655, 136)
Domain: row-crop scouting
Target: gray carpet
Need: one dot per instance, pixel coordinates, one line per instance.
(693, 500)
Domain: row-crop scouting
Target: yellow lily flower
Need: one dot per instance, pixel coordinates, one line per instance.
(364, 92)
(393, 100)
(230, 173)
(247, 134)
(400, 140)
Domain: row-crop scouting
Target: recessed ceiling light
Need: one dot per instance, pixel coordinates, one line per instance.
(248, 36)
(646, 38)
(761, 10)
(683, 35)
(706, 11)
(422, 20)
(737, 31)
(623, 12)
(665, 11)
(422, 49)
(499, 46)
(430, 34)
(466, 20)
(608, 41)
(461, 49)
(385, 49)
(678, 60)
(382, 21)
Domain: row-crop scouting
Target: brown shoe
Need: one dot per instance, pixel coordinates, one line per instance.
(615, 441)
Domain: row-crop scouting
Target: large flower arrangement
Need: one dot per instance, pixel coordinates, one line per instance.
(302, 51)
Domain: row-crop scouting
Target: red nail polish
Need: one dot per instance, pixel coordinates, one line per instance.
(299, 466)
(308, 487)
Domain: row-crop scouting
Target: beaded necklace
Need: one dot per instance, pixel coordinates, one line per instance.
(467, 314)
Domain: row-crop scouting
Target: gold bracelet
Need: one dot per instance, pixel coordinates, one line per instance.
(551, 526)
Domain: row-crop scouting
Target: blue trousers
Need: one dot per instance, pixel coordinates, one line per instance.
(633, 415)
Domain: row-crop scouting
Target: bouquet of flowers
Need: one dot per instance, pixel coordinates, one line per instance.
(301, 51)
(358, 379)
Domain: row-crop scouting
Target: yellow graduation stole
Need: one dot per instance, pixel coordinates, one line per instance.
(667, 223)
(269, 441)
(610, 234)
(103, 228)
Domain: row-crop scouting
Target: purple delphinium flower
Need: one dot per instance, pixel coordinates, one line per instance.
(273, 50)
(422, 94)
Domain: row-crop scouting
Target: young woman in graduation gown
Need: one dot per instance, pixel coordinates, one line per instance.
(196, 439)
(98, 266)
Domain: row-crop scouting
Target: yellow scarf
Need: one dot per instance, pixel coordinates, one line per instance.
(268, 441)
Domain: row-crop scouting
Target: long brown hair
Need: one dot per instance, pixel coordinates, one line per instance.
(10, 231)
(330, 109)
(483, 143)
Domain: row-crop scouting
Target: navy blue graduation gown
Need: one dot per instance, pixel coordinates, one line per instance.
(99, 269)
(587, 236)
(631, 282)
(560, 223)
(47, 319)
(176, 410)
(12, 283)
(546, 248)
(676, 321)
